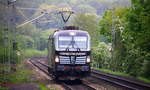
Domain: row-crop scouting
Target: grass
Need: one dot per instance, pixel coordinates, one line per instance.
(144, 79)
(2, 88)
(43, 87)
(122, 74)
(112, 72)
(20, 76)
(4, 68)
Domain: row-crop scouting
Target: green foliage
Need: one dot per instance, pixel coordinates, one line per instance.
(43, 87)
(7, 53)
(106, 25)
(101, 55)
(43, 39)
(112, 32)
(122, 74)
(137, 37)
(144, 79)
(119, 14)
(131, 45)
(145, 69)
(3, 88)
(37, 39)
(26, 42)
(20, 76)
(32, 53)
(112, 72)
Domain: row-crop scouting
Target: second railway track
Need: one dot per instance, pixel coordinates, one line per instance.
(120, 81)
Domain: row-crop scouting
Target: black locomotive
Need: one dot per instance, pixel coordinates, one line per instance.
(69, 53)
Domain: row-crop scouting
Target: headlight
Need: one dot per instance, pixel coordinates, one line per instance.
(56, 59)
(88, 60)
(72, 33)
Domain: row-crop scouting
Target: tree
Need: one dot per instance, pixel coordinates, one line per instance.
(113, 32)
(43, 39)
(137, 37)
(132, 44)
(106, 25)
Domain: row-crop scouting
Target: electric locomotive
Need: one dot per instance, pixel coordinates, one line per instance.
(69, 53)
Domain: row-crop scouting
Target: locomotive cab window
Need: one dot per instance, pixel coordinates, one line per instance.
(81, 42)
(72, 42)
(64, 41)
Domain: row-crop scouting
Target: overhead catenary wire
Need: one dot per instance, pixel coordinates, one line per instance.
(33, 9)
(30, 21)
(48, 21)
(22, 14)
(44, 12)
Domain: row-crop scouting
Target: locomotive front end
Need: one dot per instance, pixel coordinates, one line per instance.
(72, 55)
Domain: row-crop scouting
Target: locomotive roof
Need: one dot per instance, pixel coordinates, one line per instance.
(67, 32)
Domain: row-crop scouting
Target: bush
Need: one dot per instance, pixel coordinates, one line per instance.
(101, 55)
(145, 69)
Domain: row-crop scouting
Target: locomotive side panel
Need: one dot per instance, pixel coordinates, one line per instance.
(51, 52)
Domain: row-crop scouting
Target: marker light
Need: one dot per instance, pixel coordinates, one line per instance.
(88, 60)
(56, 59)
(72, 33)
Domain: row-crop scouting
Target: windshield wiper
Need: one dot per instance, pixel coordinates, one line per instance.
(78, 49)
(73, 43)
(67, 49)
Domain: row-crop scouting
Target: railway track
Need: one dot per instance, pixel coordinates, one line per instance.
(68, 85)
(120, 81)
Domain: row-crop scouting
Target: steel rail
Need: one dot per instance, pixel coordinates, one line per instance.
(120, 81)
(34, 63)
(66, 86)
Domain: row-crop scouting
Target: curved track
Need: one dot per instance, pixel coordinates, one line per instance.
(69, 85)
